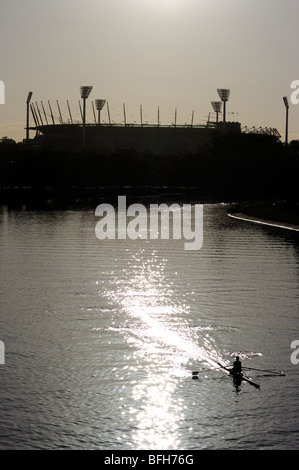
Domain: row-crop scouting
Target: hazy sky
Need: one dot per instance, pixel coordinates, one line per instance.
(166, 53)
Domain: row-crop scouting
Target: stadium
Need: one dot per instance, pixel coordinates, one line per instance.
(53, 126)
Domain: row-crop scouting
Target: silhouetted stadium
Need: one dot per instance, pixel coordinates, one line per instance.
(110, 137)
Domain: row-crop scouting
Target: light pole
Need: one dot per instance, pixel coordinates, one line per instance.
(217, 108)
(224, 95)
(286, 103)
(27, 116)
(85, 91)
(99, 106)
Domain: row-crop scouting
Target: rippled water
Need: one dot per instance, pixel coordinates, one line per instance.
(101, 337)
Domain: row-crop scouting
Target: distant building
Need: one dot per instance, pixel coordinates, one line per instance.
(158, 139)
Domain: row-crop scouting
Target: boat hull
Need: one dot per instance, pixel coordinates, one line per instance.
(239, 377)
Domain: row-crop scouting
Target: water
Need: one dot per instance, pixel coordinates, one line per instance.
(101, 337)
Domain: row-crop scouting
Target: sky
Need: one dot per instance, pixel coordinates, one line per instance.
(171, 54)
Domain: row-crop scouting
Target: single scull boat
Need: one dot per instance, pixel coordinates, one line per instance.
(239, 376)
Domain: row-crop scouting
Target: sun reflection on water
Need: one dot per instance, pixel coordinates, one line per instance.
(157, 327)
(159, 414)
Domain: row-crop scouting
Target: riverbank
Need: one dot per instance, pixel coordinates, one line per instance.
(281, 215)
(232, 168)
(83, 197)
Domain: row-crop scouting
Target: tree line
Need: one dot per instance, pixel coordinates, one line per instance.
(251, 161)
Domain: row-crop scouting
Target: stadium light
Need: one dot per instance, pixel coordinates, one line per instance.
(224, 96)
(286, 103)
(99, 106)
(85, 91)
(217, 105)
(27, 116)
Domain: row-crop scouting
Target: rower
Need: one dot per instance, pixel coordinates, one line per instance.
(237, 366)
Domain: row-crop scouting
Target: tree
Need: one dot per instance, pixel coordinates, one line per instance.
(7, 141)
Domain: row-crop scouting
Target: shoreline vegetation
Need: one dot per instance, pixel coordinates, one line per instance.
(232, 168)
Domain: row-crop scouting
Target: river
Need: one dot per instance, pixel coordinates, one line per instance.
(101, 336)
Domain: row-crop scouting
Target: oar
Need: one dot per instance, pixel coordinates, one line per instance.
(271, 371)
(223, 367)
(202, 370)
(243, 378)
(250, 382)
(208, 370)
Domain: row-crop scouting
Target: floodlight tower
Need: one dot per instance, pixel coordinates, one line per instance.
(27, 117)
(286, 103)
(217, 105)
(224, 95)
(99, 106)
(85, 91)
